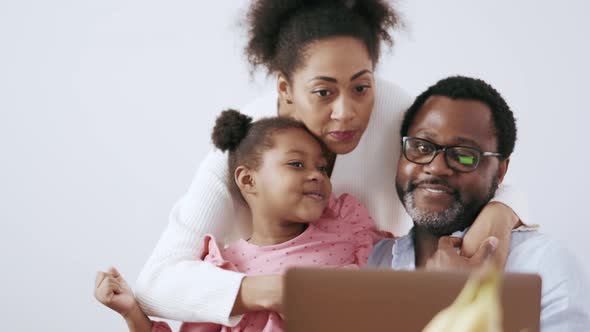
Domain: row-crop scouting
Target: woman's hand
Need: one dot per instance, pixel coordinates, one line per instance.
(260, 293)
(447, 255)
(497, 220)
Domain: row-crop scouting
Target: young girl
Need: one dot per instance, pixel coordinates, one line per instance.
(280, 170)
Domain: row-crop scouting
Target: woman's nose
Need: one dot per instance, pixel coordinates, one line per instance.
(343, 109)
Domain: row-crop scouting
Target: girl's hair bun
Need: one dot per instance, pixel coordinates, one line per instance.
(231, 127)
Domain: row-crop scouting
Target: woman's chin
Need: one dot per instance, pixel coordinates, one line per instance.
(342, 147)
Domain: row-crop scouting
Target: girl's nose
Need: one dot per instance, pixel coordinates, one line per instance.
(317, 176)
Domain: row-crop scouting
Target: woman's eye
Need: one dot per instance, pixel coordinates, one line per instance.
(296, 164)
(322, 93)
(361, 88)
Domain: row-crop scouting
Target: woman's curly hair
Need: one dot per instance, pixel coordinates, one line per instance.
(280, 30)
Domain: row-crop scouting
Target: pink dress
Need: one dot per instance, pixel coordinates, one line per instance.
(343, 237)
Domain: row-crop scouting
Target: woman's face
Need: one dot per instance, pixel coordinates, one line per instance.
(332, 93)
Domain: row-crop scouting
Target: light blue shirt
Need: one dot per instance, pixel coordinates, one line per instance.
(565, 294)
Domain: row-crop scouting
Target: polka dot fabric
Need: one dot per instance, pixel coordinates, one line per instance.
(343, 237)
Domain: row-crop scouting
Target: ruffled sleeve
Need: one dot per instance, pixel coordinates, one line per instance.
(361, 226)
(160, 327)
(187, 327)
(212, 254)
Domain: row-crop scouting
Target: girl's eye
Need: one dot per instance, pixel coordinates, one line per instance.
(322, 93)
(296, 164)
(323, 169)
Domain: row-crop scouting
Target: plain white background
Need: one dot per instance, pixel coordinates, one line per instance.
(106, 109)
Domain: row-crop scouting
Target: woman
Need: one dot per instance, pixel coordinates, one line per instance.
(323, 54)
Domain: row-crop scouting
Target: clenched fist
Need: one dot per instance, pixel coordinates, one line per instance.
(112, 291)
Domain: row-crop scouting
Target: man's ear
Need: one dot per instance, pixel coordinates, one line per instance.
(502, 169)
(245, 180)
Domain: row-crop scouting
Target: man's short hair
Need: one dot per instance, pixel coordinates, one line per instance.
(467, 88)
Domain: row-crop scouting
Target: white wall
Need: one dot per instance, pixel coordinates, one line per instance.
(106, 109)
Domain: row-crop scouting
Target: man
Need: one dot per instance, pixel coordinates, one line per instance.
(457, 139)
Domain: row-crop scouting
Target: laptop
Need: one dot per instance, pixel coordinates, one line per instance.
(383, 300)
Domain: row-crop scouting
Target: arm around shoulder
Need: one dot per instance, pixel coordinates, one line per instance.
(498, 218)
(175, 283)
(515, 199)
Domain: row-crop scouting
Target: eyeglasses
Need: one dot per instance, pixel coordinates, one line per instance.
(459, 158)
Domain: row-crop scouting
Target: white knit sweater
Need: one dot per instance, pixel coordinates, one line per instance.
(175, 284)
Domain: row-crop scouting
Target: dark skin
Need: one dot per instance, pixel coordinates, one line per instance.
(333, 92)
(452, 122)
(279, 193)
(294, 166)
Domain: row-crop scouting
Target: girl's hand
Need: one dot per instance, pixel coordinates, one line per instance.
(260, 293)
(112, 291)
(497, 220)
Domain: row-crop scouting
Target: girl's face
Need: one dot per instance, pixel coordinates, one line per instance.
(292, 184)
(332, 93)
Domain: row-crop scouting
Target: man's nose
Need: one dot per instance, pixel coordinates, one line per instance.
(438, 166)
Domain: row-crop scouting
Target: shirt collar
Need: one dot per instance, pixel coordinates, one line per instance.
(404, 254)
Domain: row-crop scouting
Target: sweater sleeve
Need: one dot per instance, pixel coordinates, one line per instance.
(175, 283)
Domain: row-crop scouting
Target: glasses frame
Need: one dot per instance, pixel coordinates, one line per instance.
(444, 148)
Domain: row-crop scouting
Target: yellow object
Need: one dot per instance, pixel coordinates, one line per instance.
(476, 309)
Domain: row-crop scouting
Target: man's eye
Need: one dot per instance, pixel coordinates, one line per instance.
(322, 93)
(466, 160)
(425, 149)
(296, 164)
(464, 157)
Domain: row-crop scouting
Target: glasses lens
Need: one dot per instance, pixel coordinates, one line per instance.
(463, 159)
(419, 151)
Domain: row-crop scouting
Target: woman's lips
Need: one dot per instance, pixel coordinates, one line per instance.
(344, 135)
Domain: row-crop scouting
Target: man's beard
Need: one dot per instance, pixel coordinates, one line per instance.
(457, 217)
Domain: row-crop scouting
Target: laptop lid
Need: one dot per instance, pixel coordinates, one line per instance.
(384, 300)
